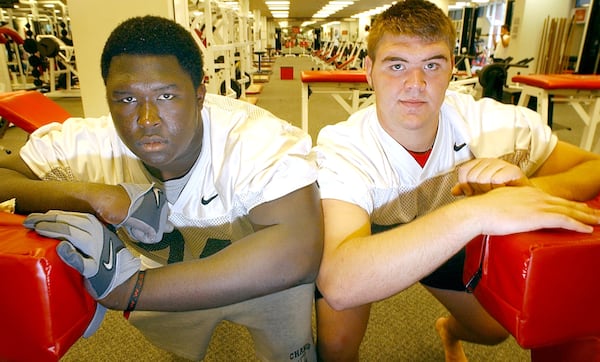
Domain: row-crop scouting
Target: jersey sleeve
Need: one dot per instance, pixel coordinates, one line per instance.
(256, 156)
(283, 162)
(77, 150)
(351, 163)
(515, 134)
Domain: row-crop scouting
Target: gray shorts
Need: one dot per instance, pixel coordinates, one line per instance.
(280, 325)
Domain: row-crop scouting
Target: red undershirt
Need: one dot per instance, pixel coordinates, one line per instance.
(421, 157)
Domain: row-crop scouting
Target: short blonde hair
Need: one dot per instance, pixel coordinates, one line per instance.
(415, 18)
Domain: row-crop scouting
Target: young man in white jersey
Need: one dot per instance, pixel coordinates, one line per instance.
(407, 182)
(218, 196)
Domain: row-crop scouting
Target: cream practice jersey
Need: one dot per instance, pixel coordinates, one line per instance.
(248, 157)
(362, 164)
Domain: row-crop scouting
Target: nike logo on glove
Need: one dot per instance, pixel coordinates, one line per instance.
(111, 256)
(207, 201)
(459, 147)
(157, 193)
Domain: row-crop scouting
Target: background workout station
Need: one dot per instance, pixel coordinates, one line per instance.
(257, 51)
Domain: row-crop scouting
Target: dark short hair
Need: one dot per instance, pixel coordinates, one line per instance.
(154, 35)
(415, 18)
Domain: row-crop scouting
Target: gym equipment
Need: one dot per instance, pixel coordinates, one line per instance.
(574, 89)
(61, 62)
(30, 110)
(44, 307)
(336, 83)
(493, 77)
(542, 287)
(48, 47)
(14, 42)
(38, 63)
(348, 56)
(222, 34)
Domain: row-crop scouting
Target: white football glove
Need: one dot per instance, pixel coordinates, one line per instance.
(89, 247)
(147, 215)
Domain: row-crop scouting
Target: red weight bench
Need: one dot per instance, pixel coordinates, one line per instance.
(543, 287)
(29, 110)
(336, 83)
(575, 89)
(44, 306)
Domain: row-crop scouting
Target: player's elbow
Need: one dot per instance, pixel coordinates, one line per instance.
(299, 258)
(308, 253)
(336, 299)
(334, 292)
(307, 267)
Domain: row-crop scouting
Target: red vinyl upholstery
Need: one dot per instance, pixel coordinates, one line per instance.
(333, 76)
(580, 350)
(559, 81)
(30, 110)
(44, 307)
(542, 286)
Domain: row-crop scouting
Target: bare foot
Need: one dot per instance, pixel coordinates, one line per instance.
(452, 347)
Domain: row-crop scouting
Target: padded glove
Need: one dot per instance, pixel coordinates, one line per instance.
(96, 321)
(89, 247)
(147, 215)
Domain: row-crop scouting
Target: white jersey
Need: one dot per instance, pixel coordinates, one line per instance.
(361, 164)
(248, 157)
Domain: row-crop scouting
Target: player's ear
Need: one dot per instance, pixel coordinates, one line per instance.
(200, 94)
(368, 69)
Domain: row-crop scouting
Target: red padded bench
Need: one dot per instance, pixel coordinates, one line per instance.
(336, 83)
(574, 89)
(44, 307)
(542, 286)
(29, 110)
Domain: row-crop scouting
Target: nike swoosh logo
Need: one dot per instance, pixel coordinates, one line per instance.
(111, 256)
(157, 197)
(459, 147)
(207, 201)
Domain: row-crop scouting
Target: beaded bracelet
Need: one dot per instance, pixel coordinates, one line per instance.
(137, 290)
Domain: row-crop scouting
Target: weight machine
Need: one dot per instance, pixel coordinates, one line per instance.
(223, 35)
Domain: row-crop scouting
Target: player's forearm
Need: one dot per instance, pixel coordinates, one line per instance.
(580, 183)
(284, 251)
(41, 196)
(372, 268)
(244, 270)
(397, 258)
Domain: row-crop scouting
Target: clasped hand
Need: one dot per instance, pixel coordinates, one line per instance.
(146, 218)
(481, 175)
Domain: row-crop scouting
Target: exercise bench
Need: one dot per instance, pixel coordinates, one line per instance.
(575, 89)
(542, 286)
(29, 110)
(45, 307)
(336, 83)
